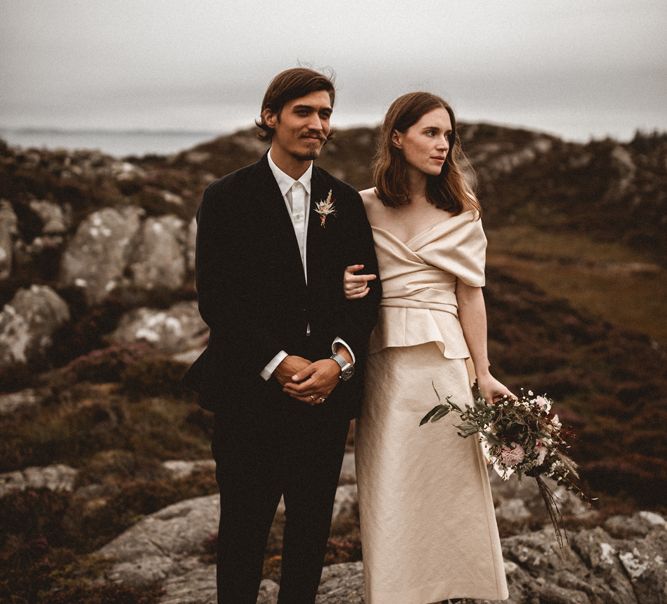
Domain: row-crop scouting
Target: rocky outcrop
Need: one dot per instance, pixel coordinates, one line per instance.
(519, 501)
(198, 587)
(495, 158)
(113, 248)
(19, 401)
(28, 322)
(178, 331)
(341, 584)
(175, 330)
(57, 477)
(348, 471)
(178, 468)
(601, 564)
(55, 219)
(165, 544)
(159, 258)
(169, 543)
(622, 561)
(96, 257)
(598, 567)
(8, 231)
(195, 587)
(346, 509)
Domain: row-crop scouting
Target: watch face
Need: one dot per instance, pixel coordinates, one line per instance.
(347, 373)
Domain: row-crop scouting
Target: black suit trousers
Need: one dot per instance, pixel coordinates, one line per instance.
(258, 459)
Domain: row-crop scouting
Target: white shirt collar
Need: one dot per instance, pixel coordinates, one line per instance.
(285, 181)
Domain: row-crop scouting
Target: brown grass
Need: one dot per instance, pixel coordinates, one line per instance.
(607, 280)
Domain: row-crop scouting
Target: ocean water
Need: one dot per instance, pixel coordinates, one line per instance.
(119, 143)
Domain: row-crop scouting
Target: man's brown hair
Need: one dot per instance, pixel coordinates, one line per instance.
(287, 86)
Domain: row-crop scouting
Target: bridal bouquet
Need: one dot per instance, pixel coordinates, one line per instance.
(519, 436)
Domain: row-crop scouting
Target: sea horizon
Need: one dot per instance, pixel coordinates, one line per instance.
(119, 142)
(123, 142)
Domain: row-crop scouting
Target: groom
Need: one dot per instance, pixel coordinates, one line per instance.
(283, 370)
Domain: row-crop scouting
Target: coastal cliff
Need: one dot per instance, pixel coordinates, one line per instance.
(98, 321)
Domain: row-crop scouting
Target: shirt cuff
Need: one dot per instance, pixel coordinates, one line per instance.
(342, 342)
(267, 372)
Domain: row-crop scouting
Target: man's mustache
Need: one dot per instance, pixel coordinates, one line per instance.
(314, 134)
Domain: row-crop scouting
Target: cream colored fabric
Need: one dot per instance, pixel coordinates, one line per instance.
(419, 282)
(428, 527)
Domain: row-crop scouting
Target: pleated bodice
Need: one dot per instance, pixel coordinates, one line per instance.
(419, 279)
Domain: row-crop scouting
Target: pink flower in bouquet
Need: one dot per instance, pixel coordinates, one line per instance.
(529, 420)
(541, 450)
(512, 456)
(543, 403)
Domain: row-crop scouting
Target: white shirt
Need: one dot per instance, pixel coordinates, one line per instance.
(296, 194)
(297, 199)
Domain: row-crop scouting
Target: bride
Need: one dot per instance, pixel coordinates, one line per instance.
(428, 526)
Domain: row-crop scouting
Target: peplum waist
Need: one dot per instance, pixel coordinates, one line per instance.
(410, 322)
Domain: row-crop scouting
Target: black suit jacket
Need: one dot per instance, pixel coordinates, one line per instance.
(253, 295)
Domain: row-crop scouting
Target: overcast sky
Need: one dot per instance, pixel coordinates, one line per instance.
(576, 68)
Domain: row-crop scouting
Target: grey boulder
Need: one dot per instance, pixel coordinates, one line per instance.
(57, 477)
(597, 567)
(159, 259)
(165, 544)
(173, 331)
(28, 322)
(96, 257)
(199, 587)
(341, 584)
(16, 402)
(55, 219)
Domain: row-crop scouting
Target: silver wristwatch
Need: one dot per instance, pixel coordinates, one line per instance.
(346, 369)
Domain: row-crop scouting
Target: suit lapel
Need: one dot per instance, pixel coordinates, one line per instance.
(318, 192)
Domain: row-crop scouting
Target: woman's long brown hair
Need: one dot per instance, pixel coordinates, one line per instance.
(449, 190)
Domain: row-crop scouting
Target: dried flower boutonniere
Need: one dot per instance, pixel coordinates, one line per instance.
(325, 207)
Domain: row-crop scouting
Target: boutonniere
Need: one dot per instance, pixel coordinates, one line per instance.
(325, 207)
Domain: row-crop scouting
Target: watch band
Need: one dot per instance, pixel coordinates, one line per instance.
(346, 369)
(340, 360)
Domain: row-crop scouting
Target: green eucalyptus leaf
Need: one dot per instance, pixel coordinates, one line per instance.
(440, 414)
(431, 413)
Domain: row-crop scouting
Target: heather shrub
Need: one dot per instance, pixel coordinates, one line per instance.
(647, 440)
(95, 418)
(117, 467)
(102, 365)
(530, 359)
(85, 331)
(564, 382)
(633, 476)
(137, 498)
(44, 545)
(152, 375)
(343, 549)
